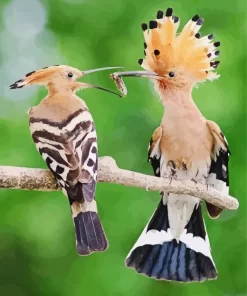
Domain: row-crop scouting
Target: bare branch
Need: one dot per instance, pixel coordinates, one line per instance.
(109, 172)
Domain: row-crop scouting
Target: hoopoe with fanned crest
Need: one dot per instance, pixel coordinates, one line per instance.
(186, 146)
(64, 133)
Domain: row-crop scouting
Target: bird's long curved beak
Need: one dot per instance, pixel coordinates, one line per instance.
(99, 69)
(118, 78)
(145, 74)
(83, 85)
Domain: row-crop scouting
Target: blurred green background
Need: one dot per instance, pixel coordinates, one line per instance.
(37, 245)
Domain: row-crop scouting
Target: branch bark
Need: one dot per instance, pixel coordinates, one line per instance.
(109, 172)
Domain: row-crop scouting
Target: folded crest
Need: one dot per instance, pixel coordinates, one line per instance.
(36, 77)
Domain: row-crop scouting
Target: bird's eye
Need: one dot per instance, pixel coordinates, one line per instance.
(70, 74)
(171, 74)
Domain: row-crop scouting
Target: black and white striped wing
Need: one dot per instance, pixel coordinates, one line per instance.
(70, 150)
(154, 154)
(219, 174)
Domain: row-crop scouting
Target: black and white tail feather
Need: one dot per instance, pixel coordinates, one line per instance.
(70, 150)
(158, 253)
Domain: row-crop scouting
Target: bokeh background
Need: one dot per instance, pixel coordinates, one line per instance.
(37, 246)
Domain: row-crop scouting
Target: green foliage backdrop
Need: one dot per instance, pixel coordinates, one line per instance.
(37, 247)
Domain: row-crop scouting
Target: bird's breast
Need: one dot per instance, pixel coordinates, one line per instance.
(186, 152)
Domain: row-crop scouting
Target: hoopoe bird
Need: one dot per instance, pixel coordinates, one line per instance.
(64, 133)
(186, 146)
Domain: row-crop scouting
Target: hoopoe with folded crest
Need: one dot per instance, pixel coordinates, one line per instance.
(186, 146)
(64, 133)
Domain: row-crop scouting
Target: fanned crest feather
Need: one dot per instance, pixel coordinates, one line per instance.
(186, 53)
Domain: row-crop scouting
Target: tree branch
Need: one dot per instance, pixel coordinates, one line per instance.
(109, 172)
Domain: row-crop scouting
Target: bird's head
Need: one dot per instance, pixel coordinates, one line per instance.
(59, 78)
(176, 61)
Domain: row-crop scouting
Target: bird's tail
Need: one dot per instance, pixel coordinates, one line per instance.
(90, 236)
(158, 255)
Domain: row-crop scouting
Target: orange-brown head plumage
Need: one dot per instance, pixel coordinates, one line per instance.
(184, 58)
(59, 78)
(59, 75)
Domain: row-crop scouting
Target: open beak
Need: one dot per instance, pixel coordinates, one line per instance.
(87, 85)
